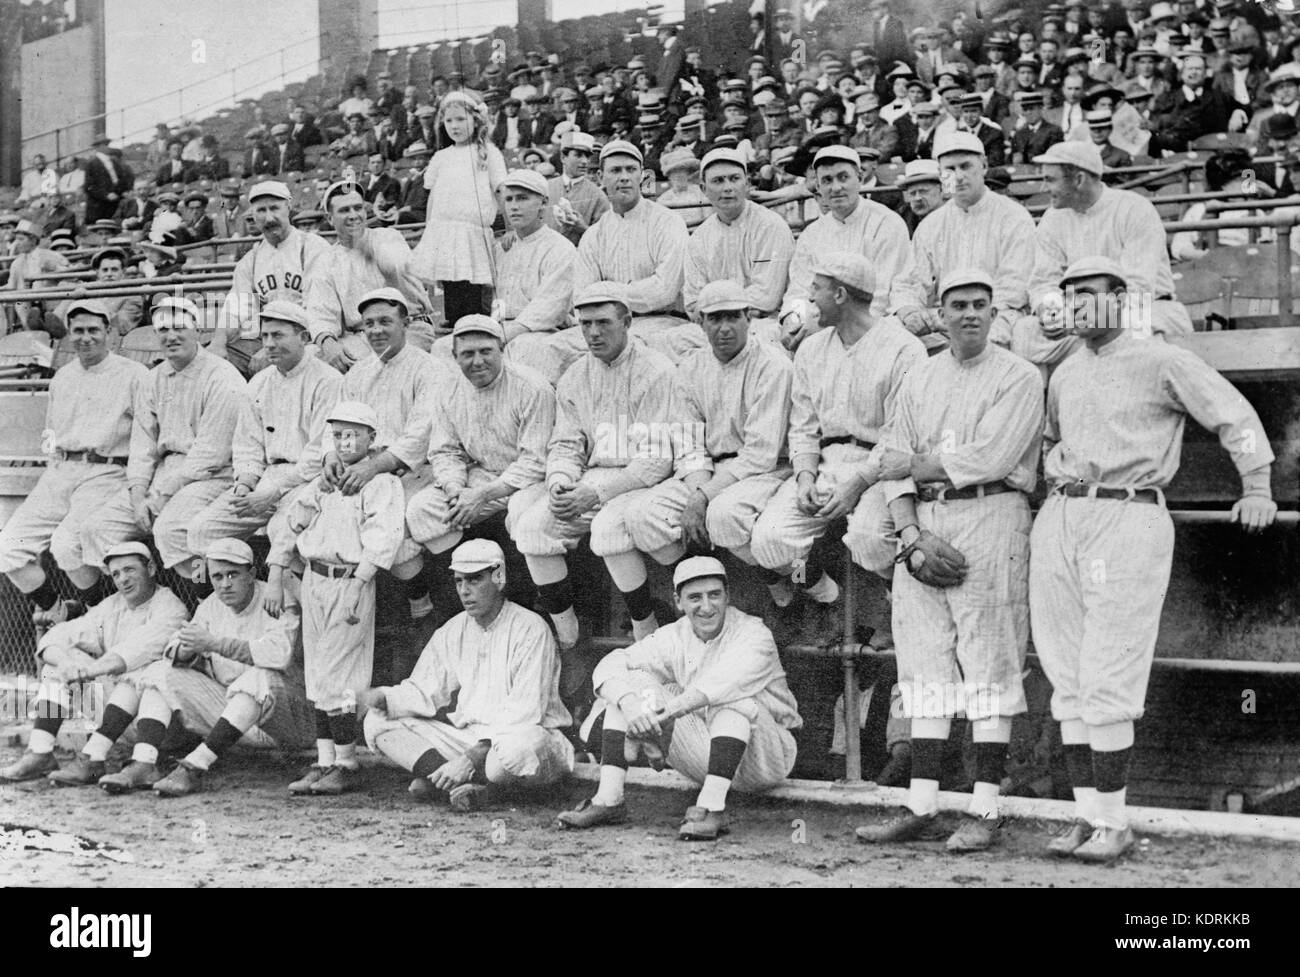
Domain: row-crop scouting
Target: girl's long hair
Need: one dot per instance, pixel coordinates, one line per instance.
(477, 112)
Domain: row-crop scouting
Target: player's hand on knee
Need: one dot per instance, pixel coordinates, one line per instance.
(453, 773)
(935, 562)
(807, 497)
(643, 725)
(1254, 513)
(372, 699)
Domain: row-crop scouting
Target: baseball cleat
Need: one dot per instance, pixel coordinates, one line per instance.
(904, 826)
(134, 776)
(589, 814)
(80, 773)
(338, 780)
(701, 824)
(422, 789)
(973, 834)
(1074, 836)
(1105, 845)
(63, 610)
(304, 783)
(185, 779)
(469, 797)
(29, 766)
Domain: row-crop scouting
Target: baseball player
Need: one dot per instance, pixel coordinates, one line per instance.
(277, 445)
(362, 260)
(961, 453)
(280, 267)
(488, 434)
(975, 228)
(1103, 541)
(344, 540)
(740, 241)
(498, 661)
(640, 245)
(88, 436)
(611, 444)
(180, 459)
(123, 633)
(1088, 218)
(863, 227)
(846, 378)
(708, 692)
(735, 406)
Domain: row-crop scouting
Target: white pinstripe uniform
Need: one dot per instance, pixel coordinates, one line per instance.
(180, 451)
(837, 393)
(643, 251)
(612, 433)
(743, 408)
(996, 235)
(276, 445)
(506, 680)
(478, 436)
(754, 250)
(1115, 418)
(1123, 226)
(89, 410)
(270, 272)
(984, 417)
(738, 671)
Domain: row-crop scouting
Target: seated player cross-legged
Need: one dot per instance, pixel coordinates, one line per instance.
(499, 662)
(708, 692)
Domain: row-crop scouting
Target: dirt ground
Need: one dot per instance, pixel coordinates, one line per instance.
(246, 831)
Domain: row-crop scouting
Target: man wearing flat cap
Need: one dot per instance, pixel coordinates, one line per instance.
(960, 457)
(706, 693)
(740, 241)
(1283, 91)
(92, 401)
(280, 267)
(118, 636)
(498, 662)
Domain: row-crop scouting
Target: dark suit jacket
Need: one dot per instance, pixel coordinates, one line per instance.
(1255, 79)
(414, 198)
(1175, 121)
(129, 207)
(214, 169)
(293, 158)
(890, 40)
(306, 134)
(995, 142)
(258, 161)
(1027, 143)
(670, 66)
(99, 185)
(525, 132)
(165, 171)
(387, 184)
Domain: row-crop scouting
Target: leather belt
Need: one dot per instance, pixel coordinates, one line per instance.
(845, 439)
(91, 458)
(335, 571)
(933, 492)
(1088, 490)
(725, 456)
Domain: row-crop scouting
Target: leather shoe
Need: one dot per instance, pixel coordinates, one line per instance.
(134, 776)
(465, 798)
(185, 779)
(80, 773)
(701, 824)
(589, 814)
(1105, 845)
(1075, 835)
(338, 780)
(29, 766)
(304, 783)
(973, 834)
(903, 826)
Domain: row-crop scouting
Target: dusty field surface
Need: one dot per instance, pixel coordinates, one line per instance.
(246, 831)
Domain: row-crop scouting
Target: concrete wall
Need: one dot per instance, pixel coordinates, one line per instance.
(62, 83)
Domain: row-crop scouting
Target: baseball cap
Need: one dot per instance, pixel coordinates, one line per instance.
(529, 180)
(483, 324)
(269, 188)
(127, 549)
(847, 268)
(598, 293)
(835, 154)
(964, 276)
(178, 304)
(1083, 155)
(920, 171)
(722, 296)
(384, 295)
(695, 567)
(93, 307)
(1092, 265)
(584, 142)
(307, 217)
(621, 147)
(721, 156)
(474, 555)
(230, 551)
(285, 311)
(340, 186)
(957, 142)
(354, 412)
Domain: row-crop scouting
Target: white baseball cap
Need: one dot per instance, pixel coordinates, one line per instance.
(474, 555)
(957, 142)
(269, 188)
(354, 412)
(695, 567)
(529, 180)
(230, 551)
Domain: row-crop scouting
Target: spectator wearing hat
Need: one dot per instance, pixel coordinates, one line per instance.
(988, 132)
(688, 133)
(107, 180)
(871, 131)
(651, 138)
(1194, 109)
(1069, 112)
(287, 155)
(413, 201)
(227, 219)
(211, 165)
(695, 79)
(887, 34)
(356, 141)
(543, 120)
(124, 313)
(922, 189)
(512, 131)
(899, 102)
(1283, 91)
(258, 159)
(575, 201)
(30, 262)
(778, 130)
(1101, 124)
(1034, 135)
(174, 169)
(684, 196)
(303, 129)
(59, 217)
(1278, 138)
(1240, 80)
(198, 225)
(928, 117)
(1147, 77)
(357, 102)
(138, 204)
(381, 189)
(994, 105)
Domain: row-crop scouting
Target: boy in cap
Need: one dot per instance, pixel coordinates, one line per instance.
(575, 201)
(343, 541)
(707, 693)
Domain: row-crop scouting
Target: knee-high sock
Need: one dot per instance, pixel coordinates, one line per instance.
(627, 570)
(1112, 745)
(153, 718)
(343, 727)
(1078, 764)
(324, 739)
(239, 716)
(928, 739)
(613, 760)
(32, 581)
(121, 709)
(992, 737)
(555, 596)
(729, 733)
(84, 579)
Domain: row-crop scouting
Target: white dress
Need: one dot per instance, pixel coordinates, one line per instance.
(457, 241)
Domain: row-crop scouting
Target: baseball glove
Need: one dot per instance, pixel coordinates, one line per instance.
(934, 562)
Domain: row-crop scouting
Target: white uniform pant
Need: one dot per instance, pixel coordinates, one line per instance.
(428, 513)
(656, 523)
(961, 650)
(338, 657)
(1097, 584)
(1167, 317)
(220, 521)
(60, 514)
(284, 718)
(539, 533)
(769, 755)
(526, 756)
